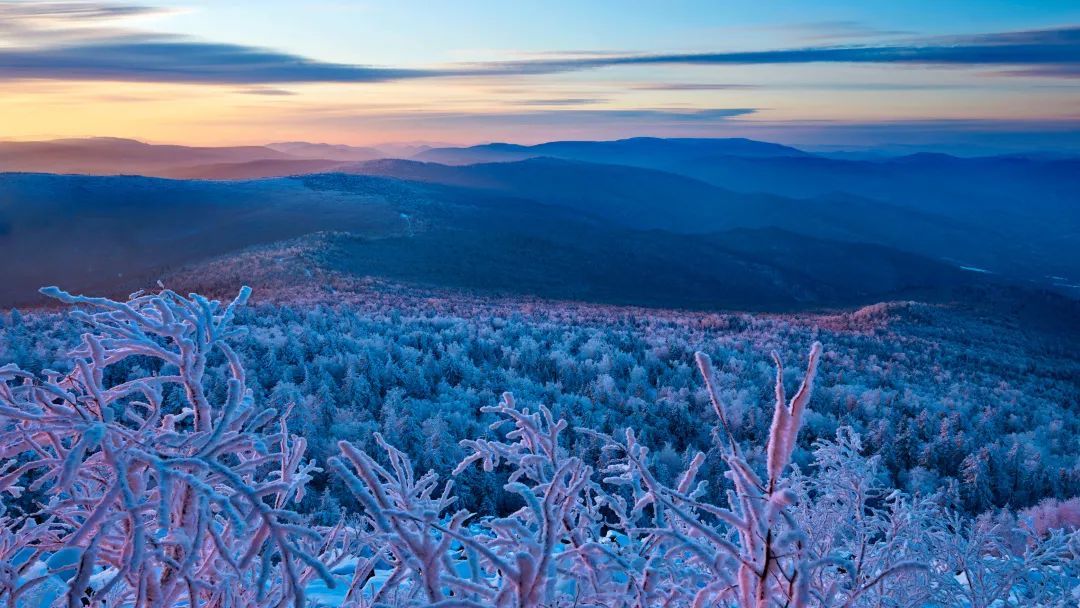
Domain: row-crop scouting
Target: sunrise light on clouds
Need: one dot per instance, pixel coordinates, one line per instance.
(468, 72)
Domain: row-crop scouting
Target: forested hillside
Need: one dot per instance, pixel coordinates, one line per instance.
(642, 473)
(895, 224)
(950, 397)
(117, 234)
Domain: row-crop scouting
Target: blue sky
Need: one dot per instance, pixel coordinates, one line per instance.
(959, 73)
(419, 33)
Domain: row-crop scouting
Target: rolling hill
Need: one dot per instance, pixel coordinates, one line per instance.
(1028, 206)
(120, 233)
(110, 155)
(117, 156)
(648, 199)
(1009, 218)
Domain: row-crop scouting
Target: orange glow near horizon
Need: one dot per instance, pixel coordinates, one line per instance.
(461, 73)
(464, 111)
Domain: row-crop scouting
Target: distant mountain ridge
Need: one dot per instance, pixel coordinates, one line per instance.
(632, 151)
(644, 199)
(337, 152)
(1016, 217)
(119, 156)
(1027, 206)
(111, 155)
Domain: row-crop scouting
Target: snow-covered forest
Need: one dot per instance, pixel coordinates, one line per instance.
(948, 400)
(455, 452)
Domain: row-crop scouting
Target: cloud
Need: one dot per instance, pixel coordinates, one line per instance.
(90, 41)
(61, 13)
(268, 91)
(185, 62)
(532, 118)
(563, 101)
(692, 86)
(23, 23)
(574, 117)
(1042, 48)
(1049, 71)
(846, 86)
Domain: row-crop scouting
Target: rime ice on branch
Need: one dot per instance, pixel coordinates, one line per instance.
(631, 541)
(524, 559)
(162, 505)
(152, 492)
(752, 553)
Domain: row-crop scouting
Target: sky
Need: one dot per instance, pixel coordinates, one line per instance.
(958, 74)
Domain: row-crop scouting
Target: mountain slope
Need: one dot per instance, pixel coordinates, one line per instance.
(115, 156)
(114, 234)
(327, 151)
(108, 155)
(252, 169)
(649, 199)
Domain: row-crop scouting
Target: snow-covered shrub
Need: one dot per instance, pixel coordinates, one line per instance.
(924, 388)
(131, 479)
(620, 537)
(992, 561)
(874, 534)
(153, 505)
(756, 552)
(1052, 514)
(623, 540)
(532, 557)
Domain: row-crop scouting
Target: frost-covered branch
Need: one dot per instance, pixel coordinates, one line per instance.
(133, 478)
(159, 492)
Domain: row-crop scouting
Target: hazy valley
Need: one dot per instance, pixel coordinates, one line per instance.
(395, 300)
(729, 224)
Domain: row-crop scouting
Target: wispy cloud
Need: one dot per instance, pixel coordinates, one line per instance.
(1049, 71)
(92, 41)
(691, 86)
(50, 23)
(186, 62)
(1048, 49)
(46, 12)
(267, 91)
(573, 117)
(560, 101)
(532, 119)
(41, 15)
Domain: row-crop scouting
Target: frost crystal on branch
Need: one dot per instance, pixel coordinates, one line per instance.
(160, 493)
(626, 540)
(752, 553)
(131, 479)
